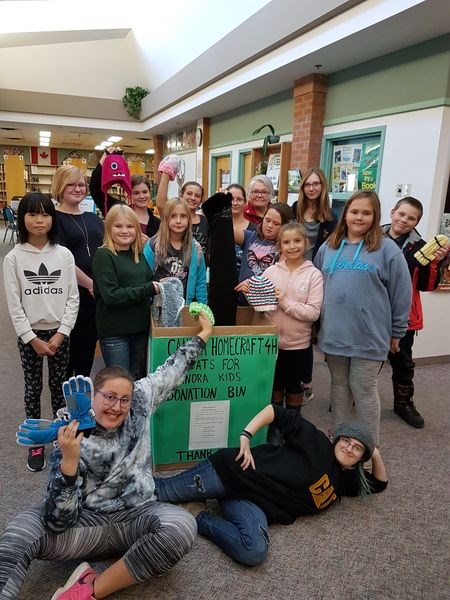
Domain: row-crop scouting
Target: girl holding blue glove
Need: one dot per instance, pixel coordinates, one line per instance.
(100, 501)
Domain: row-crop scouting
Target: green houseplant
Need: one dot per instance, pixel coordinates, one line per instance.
(269, 139)
(132, 100)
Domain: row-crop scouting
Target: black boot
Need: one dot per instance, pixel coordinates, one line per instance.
(404, 405)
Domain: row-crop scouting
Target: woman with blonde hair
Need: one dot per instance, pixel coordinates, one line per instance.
(123, 289)
(173, 252)
(82, 233)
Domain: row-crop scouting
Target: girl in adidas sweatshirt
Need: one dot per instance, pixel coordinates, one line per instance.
(299, 291)
(42, 296)
(367, 296)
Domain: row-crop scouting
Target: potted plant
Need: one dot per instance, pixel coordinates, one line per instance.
(269, 139)
(132, 100)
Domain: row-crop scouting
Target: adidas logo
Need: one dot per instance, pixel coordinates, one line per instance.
(43, 280)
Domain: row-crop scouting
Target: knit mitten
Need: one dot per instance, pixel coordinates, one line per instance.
(173, 165)
(261, 294)
(427, 253)
(167, 305)
(195, 308)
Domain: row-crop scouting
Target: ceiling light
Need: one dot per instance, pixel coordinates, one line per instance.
(99, 147)
(115, 138)
(44, 143)
(46, 134)
(150, 151)
(105, 144)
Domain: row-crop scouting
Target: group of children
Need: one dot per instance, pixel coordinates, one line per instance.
(357, 291)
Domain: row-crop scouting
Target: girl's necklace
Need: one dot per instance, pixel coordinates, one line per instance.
(84, 233)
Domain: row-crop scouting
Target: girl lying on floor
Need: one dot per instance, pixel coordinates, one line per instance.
(275, 484)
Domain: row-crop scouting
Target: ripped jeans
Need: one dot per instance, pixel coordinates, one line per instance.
(242, 532)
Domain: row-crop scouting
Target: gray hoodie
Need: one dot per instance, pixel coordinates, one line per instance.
(367, 297)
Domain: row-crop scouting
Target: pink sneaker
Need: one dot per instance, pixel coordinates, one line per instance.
(79, 586)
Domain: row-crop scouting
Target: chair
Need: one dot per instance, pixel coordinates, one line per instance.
(11, 225)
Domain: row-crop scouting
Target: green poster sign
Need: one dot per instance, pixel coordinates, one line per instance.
(230, 382)
(368, 167)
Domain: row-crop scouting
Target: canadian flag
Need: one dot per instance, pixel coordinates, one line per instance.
(43, 156)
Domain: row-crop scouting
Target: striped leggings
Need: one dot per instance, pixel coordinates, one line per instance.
(151, 537)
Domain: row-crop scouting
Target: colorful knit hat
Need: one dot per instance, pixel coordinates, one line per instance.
(261, 294)
(115, 171)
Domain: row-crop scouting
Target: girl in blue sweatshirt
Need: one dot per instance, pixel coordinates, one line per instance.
(367, 296)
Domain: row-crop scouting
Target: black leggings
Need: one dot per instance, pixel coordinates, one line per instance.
(32, 365)
(292, 368)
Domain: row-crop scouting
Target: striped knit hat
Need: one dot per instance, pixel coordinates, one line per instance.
(261, 294)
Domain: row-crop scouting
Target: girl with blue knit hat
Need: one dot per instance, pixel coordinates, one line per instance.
(306, 475)
(367, 296)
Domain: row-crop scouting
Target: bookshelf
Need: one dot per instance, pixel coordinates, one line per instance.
(39, 178)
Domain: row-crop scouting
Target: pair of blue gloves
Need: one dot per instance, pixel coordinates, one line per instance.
(78, 394)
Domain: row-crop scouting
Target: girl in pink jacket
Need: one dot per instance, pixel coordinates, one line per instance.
(299, 291)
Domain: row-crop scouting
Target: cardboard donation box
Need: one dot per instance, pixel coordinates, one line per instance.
(230, 382)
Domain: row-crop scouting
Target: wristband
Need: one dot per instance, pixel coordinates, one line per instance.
(246, 434)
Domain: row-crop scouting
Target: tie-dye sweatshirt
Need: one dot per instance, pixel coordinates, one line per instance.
(115, 468)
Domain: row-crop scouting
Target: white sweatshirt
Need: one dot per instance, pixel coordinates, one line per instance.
(41, 289)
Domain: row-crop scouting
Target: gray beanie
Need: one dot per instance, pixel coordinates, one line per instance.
(359, 431)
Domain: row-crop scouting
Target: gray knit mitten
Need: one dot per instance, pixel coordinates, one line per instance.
(167, 305)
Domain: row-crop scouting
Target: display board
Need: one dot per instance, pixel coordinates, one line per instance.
(230, 382)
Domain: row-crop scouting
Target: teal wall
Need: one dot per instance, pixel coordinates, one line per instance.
(236, 126)
(410, 79)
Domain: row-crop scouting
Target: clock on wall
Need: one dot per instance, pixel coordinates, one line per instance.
(198, 136)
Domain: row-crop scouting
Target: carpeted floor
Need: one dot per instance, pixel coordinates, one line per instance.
(391, 546)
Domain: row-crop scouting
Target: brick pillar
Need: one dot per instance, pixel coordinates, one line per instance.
(310, 94)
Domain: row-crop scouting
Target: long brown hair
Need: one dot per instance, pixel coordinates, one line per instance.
(372, 238)
(163, 236)
(322, 211)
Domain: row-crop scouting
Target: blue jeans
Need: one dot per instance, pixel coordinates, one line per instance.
(242, 532)
(126, 351)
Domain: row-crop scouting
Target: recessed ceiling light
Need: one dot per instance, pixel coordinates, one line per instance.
(45, 134)
(99, 147)
(105, 143)
(150, 151)
(44, 143)
(115, 138)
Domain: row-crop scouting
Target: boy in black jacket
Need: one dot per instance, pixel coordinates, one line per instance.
(405, 215)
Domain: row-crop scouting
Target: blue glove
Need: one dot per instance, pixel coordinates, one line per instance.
(78, 394)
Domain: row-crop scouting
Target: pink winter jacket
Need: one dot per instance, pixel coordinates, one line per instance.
(300, 306)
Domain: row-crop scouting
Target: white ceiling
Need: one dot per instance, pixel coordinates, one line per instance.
(202, 59)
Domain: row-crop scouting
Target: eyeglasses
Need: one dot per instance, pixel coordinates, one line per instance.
(259, 193)
(347, 443)
(111, 400)
(314, 184)
(237, 199)
(74, 186)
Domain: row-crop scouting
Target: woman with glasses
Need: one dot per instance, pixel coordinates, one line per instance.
(260, 193)
(100, 501)
(306, 475)
(313, 210)
(82, 233)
